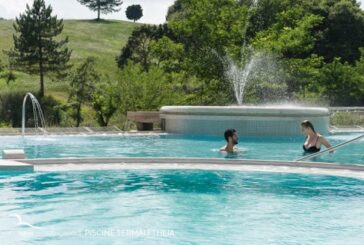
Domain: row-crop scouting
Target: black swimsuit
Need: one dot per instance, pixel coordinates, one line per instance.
(312, 149)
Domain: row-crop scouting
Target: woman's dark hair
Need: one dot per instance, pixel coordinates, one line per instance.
(308, 124)
(229, 133)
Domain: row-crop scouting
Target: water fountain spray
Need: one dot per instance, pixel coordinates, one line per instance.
(37, 113)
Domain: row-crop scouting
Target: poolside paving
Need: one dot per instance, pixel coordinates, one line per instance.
(9, 165)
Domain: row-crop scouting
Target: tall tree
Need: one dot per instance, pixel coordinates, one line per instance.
(137, 49)
(210, 29)
(36, 50)
(83, 81)
(134, 12)
(102, 6)
(342, 30)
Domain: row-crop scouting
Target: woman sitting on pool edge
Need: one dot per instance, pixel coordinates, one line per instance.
(313, 140)
(231, 138)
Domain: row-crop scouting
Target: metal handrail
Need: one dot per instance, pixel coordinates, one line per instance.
(330, 149)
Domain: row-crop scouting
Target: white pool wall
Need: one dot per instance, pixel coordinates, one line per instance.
(247, 120)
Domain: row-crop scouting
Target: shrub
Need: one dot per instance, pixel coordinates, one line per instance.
(11, 104)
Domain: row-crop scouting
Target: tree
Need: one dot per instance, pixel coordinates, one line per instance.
(134, 12)
(359, 68)
(210, 30)
(167, 54)
(102, 6)
(342, 30)
(210, 24)
(206, 30)
(292, 36)
(265, 14)
(83, 81)
(105, 102)
(36, 49)
(174, 9)
(142, 90)
(340, 84)
(137, 49)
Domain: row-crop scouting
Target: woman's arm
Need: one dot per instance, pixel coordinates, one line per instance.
(325, 142)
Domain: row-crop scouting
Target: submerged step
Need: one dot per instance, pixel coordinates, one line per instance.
(13, 154)
(9, 165)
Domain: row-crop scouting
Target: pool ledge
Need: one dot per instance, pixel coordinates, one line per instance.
(10, 165)
(79, 164)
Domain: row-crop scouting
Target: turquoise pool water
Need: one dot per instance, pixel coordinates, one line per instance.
(180, 207)
(267, 148)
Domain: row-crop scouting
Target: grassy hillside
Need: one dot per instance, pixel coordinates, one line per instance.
(102, 40)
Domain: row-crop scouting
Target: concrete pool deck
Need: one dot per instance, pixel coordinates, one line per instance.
(13, 165)
(85, 164)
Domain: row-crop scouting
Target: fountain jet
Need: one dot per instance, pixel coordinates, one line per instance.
(37, 113)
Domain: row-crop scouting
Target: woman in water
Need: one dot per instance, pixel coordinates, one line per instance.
(313, 139)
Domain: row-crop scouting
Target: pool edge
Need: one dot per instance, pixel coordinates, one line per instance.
(57, 164)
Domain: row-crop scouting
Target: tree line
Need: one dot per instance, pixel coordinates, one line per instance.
(317, 47)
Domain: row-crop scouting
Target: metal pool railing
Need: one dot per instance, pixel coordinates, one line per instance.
(331, 148)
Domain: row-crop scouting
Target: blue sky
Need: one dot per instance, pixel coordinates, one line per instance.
(154, 10)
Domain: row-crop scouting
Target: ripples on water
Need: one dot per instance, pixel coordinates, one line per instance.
(198, 206)
(265, 148)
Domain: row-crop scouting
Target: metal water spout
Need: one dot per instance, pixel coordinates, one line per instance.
(37, 111)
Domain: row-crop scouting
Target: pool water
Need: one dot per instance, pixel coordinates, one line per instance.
(265, 148)
(180, 207)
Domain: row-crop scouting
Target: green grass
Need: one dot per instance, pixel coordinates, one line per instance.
(102, 40)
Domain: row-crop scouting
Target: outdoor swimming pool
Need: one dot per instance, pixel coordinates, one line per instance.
(180, 207)
(181, 146)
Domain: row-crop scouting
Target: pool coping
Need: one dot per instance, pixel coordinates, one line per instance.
(14, 165)
(68, 164)
(84, 164)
